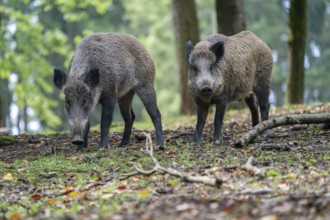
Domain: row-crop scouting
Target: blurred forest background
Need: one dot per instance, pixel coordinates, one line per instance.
(38, 35)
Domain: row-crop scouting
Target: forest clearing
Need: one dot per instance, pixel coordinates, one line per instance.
(43, 177)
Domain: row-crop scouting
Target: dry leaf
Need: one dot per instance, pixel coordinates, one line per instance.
(144, 192)
(36, 196)
(67, 199)
(122, 187)
(7, 176)
(15, 217)
(51, 201)
(73, 194)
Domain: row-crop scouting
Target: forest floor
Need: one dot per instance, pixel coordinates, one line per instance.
(43, 177)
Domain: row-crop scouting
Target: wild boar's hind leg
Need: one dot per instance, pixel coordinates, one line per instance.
(262, 93)
(202, 112)
(108, 105)
(218, 121)
(147, 95)
(125, 106)
(252, 102)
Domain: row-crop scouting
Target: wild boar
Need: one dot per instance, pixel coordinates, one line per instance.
(107, 67)
(223, 69)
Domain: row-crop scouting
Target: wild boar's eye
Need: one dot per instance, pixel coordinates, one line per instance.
(68, 102)
(194, 70)
(212, 66)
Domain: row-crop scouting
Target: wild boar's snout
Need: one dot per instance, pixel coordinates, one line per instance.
(77, 140)
(206, 91)
(205, 85)
(77, 130)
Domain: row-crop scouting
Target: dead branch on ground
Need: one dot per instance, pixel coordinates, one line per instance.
(280, 121)
(255, 170)
(162, 170)
(183, 176)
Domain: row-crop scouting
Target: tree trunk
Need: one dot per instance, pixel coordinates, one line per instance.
(4, 90)
(186, 28)
(230, 16)
(4, 102)
(231, 20)
(296, 51)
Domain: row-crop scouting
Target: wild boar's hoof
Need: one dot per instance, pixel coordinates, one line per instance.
(217, 142)
(206, 91)
(77, 140)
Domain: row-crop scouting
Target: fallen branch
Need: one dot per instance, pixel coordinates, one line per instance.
(257, 191)
(279, 147)
(255, 170)
(159, 169)
(280, 121)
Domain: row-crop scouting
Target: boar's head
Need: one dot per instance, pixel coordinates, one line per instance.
(79, 101)
(205, 79)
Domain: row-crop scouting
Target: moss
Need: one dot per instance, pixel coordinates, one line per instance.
(7, 140)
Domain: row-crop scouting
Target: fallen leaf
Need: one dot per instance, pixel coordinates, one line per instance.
(15, 217)
(73, 194)
(291, 176)
(171, 152)
(36, 196)
(67, 190)
(122, 187)
(51, 201)
(144, 192)
(67, 199)
(7, 176)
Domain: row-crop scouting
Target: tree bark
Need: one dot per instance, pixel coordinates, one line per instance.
(186, 28)
(230, 16)
(296, 51)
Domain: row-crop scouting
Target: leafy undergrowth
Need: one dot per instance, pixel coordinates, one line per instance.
(43, 177)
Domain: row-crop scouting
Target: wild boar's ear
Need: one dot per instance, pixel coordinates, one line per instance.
(218, 50)
(189, 49)
(92, 78)
(59, 78)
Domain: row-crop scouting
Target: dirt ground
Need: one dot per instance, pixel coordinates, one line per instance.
(300, 191)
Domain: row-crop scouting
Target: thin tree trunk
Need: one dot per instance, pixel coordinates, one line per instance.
(296, 51)
(186, 28)
(4, 90)
(230, 16)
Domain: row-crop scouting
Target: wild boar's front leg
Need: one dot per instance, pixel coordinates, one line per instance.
(147, 95)
(202, 112)
(218, 121)
(106, 119)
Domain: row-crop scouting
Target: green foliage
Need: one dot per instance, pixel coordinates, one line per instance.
(37, 35)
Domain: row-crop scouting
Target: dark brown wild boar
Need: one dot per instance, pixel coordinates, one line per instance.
(224, 69)
(106, 68)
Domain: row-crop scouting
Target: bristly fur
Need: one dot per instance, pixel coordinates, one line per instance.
(106, 68)
(230, 68)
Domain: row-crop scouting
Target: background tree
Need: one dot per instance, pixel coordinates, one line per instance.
(186, 28)
(230, 16)
(4, 90)
(296, 51)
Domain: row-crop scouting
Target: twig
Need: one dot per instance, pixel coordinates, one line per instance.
(159, 169)
(280, 121)
(257, 191)
(255, 170)
(279, 147)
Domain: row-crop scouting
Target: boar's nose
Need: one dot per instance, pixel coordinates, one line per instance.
(77, 140)
(206, 91)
